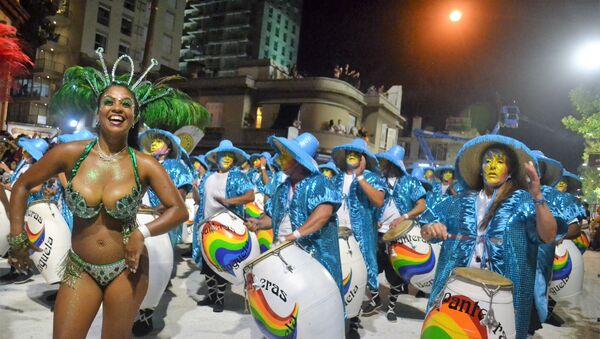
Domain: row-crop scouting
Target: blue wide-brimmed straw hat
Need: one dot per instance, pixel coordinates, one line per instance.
(84, 134)
(201, 159)
(395, 155)
(35, 147)
(303, 148)
(338, 154)
(226, 146)
(254, 156)
(573, 181)
(439, 171)
(551, 170)
(419, 174)
(416, 165)
(330, 166)
(147, 136)
(469, 157)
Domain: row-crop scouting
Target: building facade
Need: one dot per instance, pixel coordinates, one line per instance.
(220, 35)
(79, 28)
(258, 102)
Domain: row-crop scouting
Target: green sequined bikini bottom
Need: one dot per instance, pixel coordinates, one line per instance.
(73, 265)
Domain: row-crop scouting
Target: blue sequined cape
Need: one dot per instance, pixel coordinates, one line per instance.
(255, 176)
(363, 217)
(406, 192)
(511, 245)
(309, 193)
(237, 185)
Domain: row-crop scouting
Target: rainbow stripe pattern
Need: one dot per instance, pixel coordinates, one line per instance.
(346, 283)
(265, 239)
(270, 323)
(252, 210)
(36, 238)
(445, 322)
(561, 267)
(223, 247)
(407, 262)
(582, 242)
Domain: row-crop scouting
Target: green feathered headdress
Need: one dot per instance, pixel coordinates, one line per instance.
(160, 106)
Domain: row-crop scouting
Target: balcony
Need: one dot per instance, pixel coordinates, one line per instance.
(61, 18)
(49, 68)
(56, 42)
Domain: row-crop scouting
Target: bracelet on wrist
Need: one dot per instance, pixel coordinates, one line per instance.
(297, 234)
(541, 201)
(145, 231)
(405, 216)
(360, 177)
(16, 242)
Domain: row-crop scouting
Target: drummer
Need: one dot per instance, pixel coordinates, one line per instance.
(445, 175)
(277, 178)
(362, 191)
(499, 223)
(329, 170)
(201, 166)
(405, 200)
(260, 174)
(227, 186)
(303, 207)
(164, 147)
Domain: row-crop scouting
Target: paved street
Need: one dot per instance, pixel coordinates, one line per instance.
(24, 312)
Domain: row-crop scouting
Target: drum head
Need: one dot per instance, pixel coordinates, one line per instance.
(344, 232)
(399, 231)
(482, 276)
(268, 253)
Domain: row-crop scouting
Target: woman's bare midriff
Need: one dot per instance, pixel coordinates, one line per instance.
(98, 240)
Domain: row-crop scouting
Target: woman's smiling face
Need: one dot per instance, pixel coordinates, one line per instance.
(116, 110)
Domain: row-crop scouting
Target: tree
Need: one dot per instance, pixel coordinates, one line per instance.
(586, 122)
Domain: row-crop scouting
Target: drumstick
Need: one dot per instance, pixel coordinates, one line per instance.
(231, 210)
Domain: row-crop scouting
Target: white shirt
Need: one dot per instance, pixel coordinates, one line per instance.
(391, 212)
(483, 201)
(285, 227)
(21, 171)
(214, 187)
(343, 213)
(444, 188)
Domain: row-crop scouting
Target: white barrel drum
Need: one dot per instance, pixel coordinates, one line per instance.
(4, 227)
(227, 246)
(412, 258)
(567, 271)
(354, 272)
(474, 303)
(160, 262)
(291, 295)
(187, 231)
(46, 228)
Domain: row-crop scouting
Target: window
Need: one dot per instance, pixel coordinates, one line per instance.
(169, 21)
(279, 18)
(268, 26)
(277, 32)
(270, 12)
(172, 4)
(275, 46)
(100, 41)
(129, 4)
(123, 49)
(167, 45)
(103, 16)
(286, 23)
(293, 28)
(291, 54)
(283, 50)
(284, 37)
(293, 42)
(267, 41)
(126, 26)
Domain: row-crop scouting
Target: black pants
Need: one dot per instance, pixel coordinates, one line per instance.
(384, 264)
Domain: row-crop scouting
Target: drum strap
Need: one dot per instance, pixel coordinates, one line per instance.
(490, 319)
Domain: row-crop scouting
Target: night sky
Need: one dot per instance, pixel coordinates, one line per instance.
(516, 50)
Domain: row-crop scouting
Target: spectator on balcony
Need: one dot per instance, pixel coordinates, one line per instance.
(354, 131)
(331, 127)
(339, 128)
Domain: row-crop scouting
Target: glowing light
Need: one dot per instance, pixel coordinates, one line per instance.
(455, 15)
(587, 57)
(73, 123)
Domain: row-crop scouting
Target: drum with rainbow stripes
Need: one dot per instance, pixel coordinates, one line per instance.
(227, 245)
(254, 210)
(291, 295)
(354, 272)
(567, 271)
(583, 240)
(474, 303)
(412, 258)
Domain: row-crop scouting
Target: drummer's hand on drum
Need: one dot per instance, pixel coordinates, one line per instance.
(436, 230)
(251, 225)
(397, 222)
(133, 249)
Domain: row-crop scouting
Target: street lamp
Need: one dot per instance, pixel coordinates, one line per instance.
(455, 15)
(587, 57)
(73, 123)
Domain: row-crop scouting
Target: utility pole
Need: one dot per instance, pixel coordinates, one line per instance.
(150, 34)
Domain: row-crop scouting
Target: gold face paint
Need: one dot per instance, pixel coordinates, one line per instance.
(383, 164)
(327, 172)
(352, 159)
(285, 160)
(256, 163)
(447, 176)
(225, 160)
(428, 174)
(562, 186)
(245, 165)
(495, 167)
(157, 145)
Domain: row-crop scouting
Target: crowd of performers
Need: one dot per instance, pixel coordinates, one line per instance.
(478, 237)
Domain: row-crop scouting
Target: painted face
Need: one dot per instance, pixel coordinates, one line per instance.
(447, 175)
(256, 163)
(286, 161)
(327, 172)
(116, 110)
(562, 186)
(159, 147)
(428, 174)
(352, 159)
(225, 160)
(494, 167)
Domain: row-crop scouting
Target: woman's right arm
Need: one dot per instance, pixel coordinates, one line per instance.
(52, 163)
